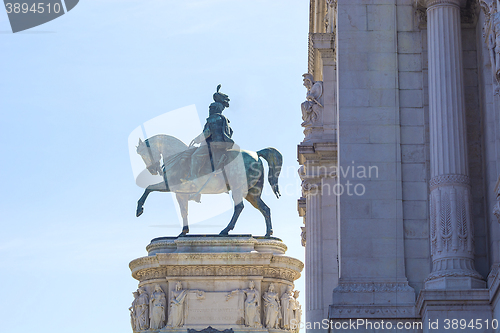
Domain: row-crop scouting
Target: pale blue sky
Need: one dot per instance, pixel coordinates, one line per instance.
(73, 89)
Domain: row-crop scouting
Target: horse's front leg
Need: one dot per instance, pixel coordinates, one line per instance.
(182, 199)
(140, 203)
(160, 187)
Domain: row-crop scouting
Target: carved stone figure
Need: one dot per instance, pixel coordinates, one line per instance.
(252, 305)
(495, 17)
(287, 307)
(142, 313)
(330, 24)
(133, 311)
(491, 31)
(272, 308)
(297, 313)
(303, 236)
(311, 108)
(177, 307)
(157, 305)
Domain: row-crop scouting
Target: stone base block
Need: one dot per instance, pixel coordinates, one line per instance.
(196, 281)
(455, 283)
(464, 311)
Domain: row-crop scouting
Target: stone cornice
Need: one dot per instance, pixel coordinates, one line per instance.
(221, 264)
(323, 41)
(318, 152)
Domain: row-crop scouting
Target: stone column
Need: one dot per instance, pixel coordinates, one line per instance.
(314, 265)
(452, 236)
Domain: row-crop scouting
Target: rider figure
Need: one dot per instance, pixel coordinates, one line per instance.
(217, 134)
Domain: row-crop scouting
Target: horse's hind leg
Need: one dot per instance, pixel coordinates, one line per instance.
(257, 202)
(238, 207)
(182, 199)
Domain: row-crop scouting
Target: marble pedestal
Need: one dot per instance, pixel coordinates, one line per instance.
(207, 280)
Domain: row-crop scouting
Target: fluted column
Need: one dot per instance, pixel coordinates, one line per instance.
(314, 264)
(452, 235)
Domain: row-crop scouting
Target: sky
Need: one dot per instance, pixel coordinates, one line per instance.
(71, 93)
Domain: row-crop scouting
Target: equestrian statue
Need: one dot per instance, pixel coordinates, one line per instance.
(211, 164)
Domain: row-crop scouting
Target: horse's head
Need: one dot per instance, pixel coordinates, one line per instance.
(151, 157)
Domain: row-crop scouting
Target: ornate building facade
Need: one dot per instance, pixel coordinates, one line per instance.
(400, 163)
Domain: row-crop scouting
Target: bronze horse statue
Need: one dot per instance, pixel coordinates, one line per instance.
(244, 179)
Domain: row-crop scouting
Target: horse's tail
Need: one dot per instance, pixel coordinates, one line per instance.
(275, 160)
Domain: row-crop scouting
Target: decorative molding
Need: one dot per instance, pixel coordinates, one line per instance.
(310, 55)
(210, 329)
(372, 287)
(468, 11)
(284, 273)
(343, 312)
(448, 180)
(453, 273)
(431, 3)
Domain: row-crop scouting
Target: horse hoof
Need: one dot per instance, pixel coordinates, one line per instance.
(185, 230)
(224, 232)
(269, 233)
(139, 212)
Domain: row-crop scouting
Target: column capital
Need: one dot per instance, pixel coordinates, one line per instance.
(430, 3)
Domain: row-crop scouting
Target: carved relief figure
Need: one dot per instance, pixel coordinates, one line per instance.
(287, 307)
(297, 313)
(176, 315)
(133, 311)
(495, 17)
(272, 309)
(252, 305)
(142, 313)
(311, 107)
(330, 16)
(492, 29)
(157, 305)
